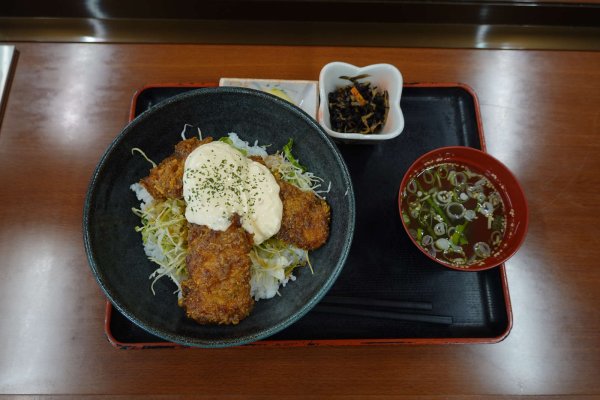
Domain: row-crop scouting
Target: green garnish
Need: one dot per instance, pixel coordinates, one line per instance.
(287, 151)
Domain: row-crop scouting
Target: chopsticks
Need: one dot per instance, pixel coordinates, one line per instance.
(377, 308)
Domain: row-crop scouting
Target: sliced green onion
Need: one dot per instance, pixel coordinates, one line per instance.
(458, 233)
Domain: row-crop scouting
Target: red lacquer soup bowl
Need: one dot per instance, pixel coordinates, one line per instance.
(463, 208)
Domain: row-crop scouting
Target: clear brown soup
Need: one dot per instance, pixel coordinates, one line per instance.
(454, 213)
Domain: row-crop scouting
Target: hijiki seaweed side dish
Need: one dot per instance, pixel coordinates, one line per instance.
(358, 107)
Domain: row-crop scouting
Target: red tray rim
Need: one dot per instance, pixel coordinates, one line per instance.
(329, 342)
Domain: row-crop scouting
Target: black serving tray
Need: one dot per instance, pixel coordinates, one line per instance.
(438, 305)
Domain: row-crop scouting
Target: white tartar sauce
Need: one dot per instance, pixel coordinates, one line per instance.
(219, 181)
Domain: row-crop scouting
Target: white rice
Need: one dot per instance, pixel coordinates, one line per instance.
(142, 195)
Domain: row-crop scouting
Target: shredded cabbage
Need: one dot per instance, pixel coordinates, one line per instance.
(164, 234)
(234, 140)
(273, 262)
(295, 174)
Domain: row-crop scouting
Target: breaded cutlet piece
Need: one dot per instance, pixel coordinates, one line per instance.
(166, 179)
(305, 221)
(218, 263)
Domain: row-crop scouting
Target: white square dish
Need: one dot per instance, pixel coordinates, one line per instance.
(384, 77)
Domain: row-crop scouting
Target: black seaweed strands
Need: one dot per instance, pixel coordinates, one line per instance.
(358, 107)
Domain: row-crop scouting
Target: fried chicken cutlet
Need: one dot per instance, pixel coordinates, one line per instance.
(305, 221)
(166, 179)
(218, 263)
(306, 216)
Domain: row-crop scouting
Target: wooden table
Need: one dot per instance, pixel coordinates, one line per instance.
(541, 116)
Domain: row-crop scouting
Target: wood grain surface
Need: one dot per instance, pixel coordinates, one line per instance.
(541, 117)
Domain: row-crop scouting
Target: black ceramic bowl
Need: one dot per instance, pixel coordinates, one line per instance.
(115, 250)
